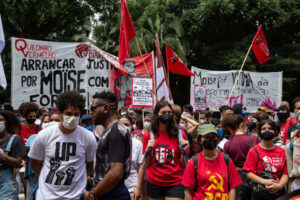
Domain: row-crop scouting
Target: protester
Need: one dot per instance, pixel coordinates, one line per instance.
(136, 156)
(42, 112)
(113, 156)
(237, 108)
(292, 151)
(237, 147)
(164, 171)
(224, 110)
(205, 116)
(188, 108)
(147, 123)
(296, 103)
(45, 122)
(209, 175)
(66, 150)
(286, 121)
(86, 122)
(269, 158)
(28, 111)
(11, 153)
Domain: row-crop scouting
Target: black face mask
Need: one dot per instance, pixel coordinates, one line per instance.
(30, 121)
(283, 117)
(251, 126)
(165, 119)
(210, 143)
(267, 135)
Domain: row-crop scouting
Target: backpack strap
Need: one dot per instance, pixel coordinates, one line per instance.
(226, 159)
(250, 141)
(259, 159)
(292, 147)
(195, 161)
(11, 139)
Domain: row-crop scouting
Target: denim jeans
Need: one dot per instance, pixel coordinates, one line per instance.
(31, 183)
(9, 189)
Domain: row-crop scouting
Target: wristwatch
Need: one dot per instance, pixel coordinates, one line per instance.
(91, 196)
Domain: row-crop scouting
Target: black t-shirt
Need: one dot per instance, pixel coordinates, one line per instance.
(114, 146)
(17, 149)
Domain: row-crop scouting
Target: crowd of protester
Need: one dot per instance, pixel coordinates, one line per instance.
(169, 152)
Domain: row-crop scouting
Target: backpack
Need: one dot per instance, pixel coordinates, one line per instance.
(195, 161)
(179, 138)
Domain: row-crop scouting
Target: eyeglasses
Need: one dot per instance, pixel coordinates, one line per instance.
(93, 108)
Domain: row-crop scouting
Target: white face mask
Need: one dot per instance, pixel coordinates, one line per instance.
(2, 127)
(147, 125)
(45, 125)
(123, 113)
(53, 123)
(134, 127)
(129, 129)
(202, 121)
(182, 124)
(70, 122)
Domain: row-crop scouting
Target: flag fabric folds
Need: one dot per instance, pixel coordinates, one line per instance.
(127, 32)
(3, 82)
(135, 66)
(260, 46)
(175, 64)
(162, 85)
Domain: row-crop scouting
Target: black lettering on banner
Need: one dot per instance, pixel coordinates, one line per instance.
(58, 82)
(245, 79)
(80, 81)
(28, 81)
(44, 100)
(45, 80)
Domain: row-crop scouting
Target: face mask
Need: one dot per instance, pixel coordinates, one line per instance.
(45, 125)
(134, 127)
(147, 125)
(123, 113)
(2, 127)
(129, 129)
(283, 117)
(267, 135)
(202, 121)
(220, 132)
(165, 119)
(70, 122)
(89, 127)
(182, 124)
(53, 123)
(210, 143)
(244, 113)
(251, 126)
(30, 121)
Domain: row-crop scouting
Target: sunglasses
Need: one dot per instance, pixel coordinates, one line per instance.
(93, 108)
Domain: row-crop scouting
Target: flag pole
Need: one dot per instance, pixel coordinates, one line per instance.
(137, 43)
(154, 80)
(236, 80)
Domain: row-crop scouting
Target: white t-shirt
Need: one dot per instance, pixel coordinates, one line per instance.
(136, 158)
(63, 174)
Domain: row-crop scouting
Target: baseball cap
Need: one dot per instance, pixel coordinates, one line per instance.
(85, 117)
(206, 129)
(264, 109)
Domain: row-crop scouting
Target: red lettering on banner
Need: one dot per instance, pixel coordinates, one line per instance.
(34, 51)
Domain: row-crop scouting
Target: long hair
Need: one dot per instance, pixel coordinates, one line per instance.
(273, 125)
(13, 124)
(172, 127)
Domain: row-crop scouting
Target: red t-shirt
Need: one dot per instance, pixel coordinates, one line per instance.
(164, 169)
(285, 127)
(25, 132)
(212, 178)
(274, 161)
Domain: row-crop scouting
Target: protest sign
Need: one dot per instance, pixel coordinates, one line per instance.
(142, 92)
(199, 98)
(253, 90)
(41, 70)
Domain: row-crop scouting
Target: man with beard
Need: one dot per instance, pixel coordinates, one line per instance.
(113, 155)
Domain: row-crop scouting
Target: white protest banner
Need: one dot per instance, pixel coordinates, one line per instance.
(42, 70)
(199, 98)
(253, 90)
(142, 92)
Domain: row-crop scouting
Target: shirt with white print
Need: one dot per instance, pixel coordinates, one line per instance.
(63, 174)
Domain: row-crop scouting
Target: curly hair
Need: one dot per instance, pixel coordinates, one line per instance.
(70, 99)
(172, 127)
(27, 107)
(13, 124)
(108, 97)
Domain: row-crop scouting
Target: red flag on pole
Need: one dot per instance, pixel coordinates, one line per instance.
(175, 64)
(260, 47)
(127, 32)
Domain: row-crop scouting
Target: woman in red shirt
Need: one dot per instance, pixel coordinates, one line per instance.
(272, 157)
(163, 157)
(216, 176)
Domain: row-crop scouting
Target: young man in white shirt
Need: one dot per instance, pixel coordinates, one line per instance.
(66, 151)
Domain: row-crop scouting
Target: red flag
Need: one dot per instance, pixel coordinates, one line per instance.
(135, 66)
(260, 47)
(127, 32)
(175, 64)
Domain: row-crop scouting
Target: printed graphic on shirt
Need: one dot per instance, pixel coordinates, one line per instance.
(63, 152)
(271, 163)
(164, 155)
(216, 186)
